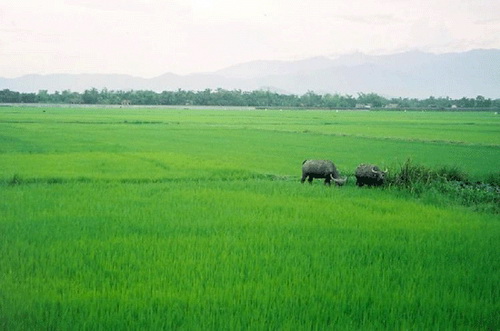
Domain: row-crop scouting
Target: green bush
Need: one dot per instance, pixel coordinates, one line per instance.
(452, 173)
(448, 184)
(493, 179)
(412, 176)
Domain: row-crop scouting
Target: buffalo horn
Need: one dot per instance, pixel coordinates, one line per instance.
(340, 180)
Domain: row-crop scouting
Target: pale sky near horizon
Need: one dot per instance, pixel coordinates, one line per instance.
(148, 38)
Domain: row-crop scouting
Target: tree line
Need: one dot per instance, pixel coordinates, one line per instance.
(258, 98)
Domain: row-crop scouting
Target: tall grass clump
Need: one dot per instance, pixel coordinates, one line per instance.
(411, 176)
(446, 184)
(452, 173)
(493, 179)
(415, 177)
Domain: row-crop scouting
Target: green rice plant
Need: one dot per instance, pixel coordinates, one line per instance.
(94, 140)
(241, 254)
(190, 219)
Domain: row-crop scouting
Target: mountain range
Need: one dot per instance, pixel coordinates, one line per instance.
(412, 74)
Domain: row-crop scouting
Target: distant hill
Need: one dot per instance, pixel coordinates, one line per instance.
(410, 74)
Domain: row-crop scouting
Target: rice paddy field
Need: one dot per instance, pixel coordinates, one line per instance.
(159, 219)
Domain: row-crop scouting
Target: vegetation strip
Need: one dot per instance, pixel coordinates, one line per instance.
(259, 98)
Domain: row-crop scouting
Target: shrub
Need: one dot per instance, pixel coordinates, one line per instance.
(449, 182)
(493, 179)
(412, 176)
(452, 173)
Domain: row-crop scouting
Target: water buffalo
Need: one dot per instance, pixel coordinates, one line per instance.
(321, 169)
(369, 174)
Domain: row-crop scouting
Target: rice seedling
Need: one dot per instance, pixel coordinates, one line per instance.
(181, 219)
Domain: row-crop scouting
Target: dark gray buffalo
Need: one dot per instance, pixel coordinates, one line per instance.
(321, 169)
(369, 174)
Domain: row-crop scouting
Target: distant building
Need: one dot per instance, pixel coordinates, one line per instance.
(363, 106)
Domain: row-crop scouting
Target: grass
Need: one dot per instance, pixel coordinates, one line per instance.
(217, 255)
(165, 219)
(240, 139)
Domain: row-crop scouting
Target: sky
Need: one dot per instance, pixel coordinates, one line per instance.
(148, 38)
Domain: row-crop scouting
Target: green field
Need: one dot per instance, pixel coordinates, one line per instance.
(127, 219)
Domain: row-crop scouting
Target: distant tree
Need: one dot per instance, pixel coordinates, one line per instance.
(311, 99)
(332, 101)
(204, 98)
(372, 99)
(29, 98)
(144, 98)
(90, 96)
(482, 102)
(166, 98)
(347, 101)
(71, 97)
(43, 96)
(465, 103)
(9, 96)
(256, 98)
(495, 103)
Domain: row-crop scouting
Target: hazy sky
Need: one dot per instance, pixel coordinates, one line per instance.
(150, 37)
